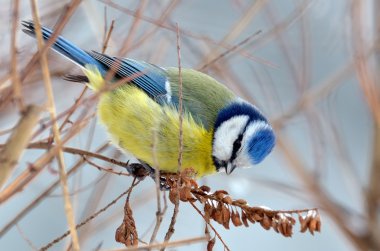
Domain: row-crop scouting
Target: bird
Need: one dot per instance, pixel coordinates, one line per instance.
(221, 132)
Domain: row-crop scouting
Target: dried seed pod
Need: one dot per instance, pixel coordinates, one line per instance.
(284, 228)
(312, 225)
(319, 223)
(221, 191)
(193, 183)
(206, 189)
(250, 217)
(304, 221)
(219, 195)
(173, 195)
(227, 200)
(235, 218)
(289, 230)
(291, 220)
(241, 202)
(183, 194)
(126, 233)
(257, 217)
(208, 211)
(189, 195)
(226, 217)
(210, 244)
(275, 226)
(218, 216)
(266, 222)
(244, 218)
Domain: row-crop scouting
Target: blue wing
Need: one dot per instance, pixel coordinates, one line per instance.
(153, 80)
(64, 47)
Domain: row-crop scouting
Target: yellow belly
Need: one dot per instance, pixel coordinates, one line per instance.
(151, 132)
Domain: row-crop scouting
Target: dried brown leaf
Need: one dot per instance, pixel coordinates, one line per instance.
(211, 244)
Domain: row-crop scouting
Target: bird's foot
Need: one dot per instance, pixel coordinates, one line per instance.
(139, 171)
(142, 170)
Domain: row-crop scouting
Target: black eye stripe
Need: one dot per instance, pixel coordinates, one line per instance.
(236, 147)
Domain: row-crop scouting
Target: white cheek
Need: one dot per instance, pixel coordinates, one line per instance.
(226, 134)
(243, 160)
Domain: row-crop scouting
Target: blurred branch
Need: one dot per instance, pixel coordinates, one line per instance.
(373, 193)
(244, 21)
(17, 142)
(57, 137)
(314, 189)
(45, 193)
(14, 72)
(35, 168)
(67, 233)
(180, 243)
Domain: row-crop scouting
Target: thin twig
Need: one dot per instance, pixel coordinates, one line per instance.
(57, 138)
(243, 22)
(170, 231)
(211, 226)
(45, 145)
(180, 103)
(230, 50)
(166, 244)
(105, 44)
(14, 72)
(109, 170)
(45, 193)
(58, 239)
(132, 30)
(159, 212)
(23, 235)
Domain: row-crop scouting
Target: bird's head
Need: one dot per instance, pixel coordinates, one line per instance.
(242, 137)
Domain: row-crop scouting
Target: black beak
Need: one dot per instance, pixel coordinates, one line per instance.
(229, 168)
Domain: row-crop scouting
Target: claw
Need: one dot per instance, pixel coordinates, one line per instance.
(138, 170)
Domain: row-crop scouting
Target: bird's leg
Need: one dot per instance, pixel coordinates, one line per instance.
(152, 173)
(142, 169)
(139, 170)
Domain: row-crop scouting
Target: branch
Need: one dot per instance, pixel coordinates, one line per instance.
(17, 142)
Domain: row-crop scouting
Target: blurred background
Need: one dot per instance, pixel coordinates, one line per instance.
(310, 66)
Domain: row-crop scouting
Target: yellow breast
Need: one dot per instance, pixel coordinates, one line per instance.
(151, 132)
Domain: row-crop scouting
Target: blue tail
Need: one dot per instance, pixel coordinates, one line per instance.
(64, 47)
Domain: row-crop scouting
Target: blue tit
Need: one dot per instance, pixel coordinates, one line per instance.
(221, 132)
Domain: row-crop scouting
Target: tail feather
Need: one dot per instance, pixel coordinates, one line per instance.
(65, 48)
